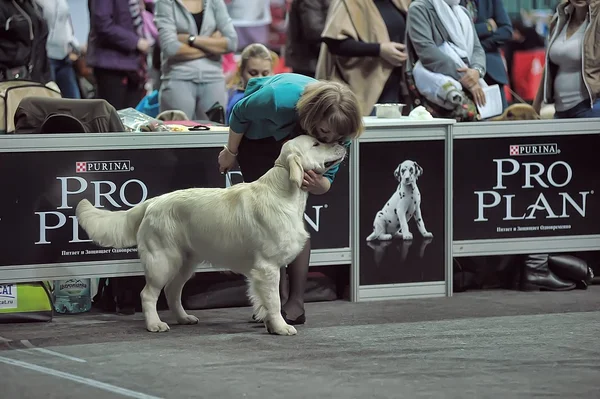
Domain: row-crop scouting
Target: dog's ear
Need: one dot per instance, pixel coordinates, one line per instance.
(296, 169)
(418, 169)
(397, 172)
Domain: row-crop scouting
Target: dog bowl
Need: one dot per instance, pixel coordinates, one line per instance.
(388, 110)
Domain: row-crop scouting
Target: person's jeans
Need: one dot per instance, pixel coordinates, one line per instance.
(581, 110)
(62, 72)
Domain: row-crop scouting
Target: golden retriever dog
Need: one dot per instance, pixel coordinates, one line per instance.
(250, 228)
(517, 112)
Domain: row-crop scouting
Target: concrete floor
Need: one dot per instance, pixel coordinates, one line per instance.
(492, 344)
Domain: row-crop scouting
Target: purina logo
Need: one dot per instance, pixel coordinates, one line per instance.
(103, 166)
(533, 149)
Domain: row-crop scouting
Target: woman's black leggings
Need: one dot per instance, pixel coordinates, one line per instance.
(255, 158)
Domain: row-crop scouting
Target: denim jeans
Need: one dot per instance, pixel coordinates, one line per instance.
(581, 110)
(62, 72)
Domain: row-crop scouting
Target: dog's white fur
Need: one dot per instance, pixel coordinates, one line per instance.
(392, 220)
(250, 228)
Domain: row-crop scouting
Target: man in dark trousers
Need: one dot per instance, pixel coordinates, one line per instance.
(494, 29)
(305, 25)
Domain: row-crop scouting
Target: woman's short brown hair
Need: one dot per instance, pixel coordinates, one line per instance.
(334, 102)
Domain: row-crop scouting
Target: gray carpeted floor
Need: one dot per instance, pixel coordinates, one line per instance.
(493, 344)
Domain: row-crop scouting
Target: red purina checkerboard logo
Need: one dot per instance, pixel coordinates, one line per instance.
(103, 166)
(533, 149)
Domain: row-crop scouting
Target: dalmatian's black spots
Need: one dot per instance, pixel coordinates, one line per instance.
(388, 221)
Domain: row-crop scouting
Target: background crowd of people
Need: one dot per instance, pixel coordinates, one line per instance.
(194, 55)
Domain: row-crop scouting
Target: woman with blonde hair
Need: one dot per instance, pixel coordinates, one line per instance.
(256, 61)
(275, 109)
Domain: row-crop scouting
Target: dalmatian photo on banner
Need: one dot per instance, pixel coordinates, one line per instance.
(402, 218)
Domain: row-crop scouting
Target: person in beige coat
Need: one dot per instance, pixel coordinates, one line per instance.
(364, 48)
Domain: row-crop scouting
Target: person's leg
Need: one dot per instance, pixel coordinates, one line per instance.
(54, 64)
(255, 158)
(208, 94)
(591, 112)
(293, 309)
(67, 80)
(111, 86)
(178, 95)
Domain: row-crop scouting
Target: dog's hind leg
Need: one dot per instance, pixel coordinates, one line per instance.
(160, 268)
(173, 293)
(265, 280)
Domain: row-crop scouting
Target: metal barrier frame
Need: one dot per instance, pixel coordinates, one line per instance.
(382, 130)
(122, 141)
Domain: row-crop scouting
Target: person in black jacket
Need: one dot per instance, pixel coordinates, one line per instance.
(305, 25)
(23, 36)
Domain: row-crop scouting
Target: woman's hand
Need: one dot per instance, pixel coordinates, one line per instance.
(143, 46)
(470, 78)
(393, 52)
(315, 183)
(478, 94)
(226, 160)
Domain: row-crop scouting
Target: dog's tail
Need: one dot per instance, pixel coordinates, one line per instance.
(108, 229)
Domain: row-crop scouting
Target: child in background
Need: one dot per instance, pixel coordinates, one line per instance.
(256, 61)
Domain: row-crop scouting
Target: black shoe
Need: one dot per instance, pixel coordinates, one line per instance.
(537, 276)
(571, 268)
(299, 320)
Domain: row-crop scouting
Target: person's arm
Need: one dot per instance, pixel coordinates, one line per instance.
(312, 19)
(504, 32)
(419, 31)
(352, 48)
(227, 41)
(330, 174)
(109, 33)
(539, 96)
(167, 33)
(478, 57)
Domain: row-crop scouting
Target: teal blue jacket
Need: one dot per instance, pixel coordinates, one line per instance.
(268, 109)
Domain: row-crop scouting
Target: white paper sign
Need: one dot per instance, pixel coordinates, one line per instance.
(493, 102)
(8, 296)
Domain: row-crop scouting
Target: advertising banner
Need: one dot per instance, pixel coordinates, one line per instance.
(526, 187)
(40, 191)
(402, 216)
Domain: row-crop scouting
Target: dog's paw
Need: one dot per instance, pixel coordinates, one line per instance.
(385, 237)
(158, 327)
(281, 329)
(407, 236)
(188, 319)
(427, 235)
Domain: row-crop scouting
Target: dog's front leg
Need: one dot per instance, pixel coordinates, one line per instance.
(421, 223)
(265, 283)
(402, 219)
